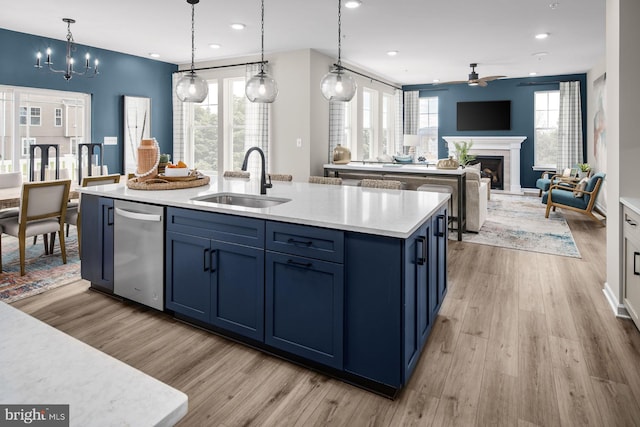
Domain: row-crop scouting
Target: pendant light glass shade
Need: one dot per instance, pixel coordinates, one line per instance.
(192, 88)
(337, 85)
(261, 88)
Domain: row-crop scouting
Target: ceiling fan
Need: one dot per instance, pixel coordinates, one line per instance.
(474, 80)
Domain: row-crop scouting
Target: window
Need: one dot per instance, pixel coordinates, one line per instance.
(205, 131)
(34, 114)
(369, 144)
(235, 122)
(388, 121)
(57, 118)
(428, 128)
(23, 116)
(26, 142)
(547, 111)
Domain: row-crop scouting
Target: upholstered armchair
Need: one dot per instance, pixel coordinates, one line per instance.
(576, 198)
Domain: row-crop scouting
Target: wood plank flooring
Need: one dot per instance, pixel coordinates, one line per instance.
(522, 339)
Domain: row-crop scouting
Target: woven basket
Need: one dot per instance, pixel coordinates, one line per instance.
(161, 184)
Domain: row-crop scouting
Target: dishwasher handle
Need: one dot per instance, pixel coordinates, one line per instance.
(138, 216)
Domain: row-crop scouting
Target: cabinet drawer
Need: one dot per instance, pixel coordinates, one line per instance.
(310, 242)
(226, 228)
(631, 225)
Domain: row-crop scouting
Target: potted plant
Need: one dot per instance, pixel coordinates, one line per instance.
(584, 169)
(462, 152)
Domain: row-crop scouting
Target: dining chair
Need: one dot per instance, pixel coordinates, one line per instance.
(280, 177)
(236, 174)
(325, 180)
(73, 208)
(9, 180)
(381, 183)
(43, 206)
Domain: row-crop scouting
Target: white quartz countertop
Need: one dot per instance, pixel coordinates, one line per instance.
(413, 168)
(41, 365)
(393, 213)
(632, 203)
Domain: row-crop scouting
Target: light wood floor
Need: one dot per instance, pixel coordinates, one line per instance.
(523, 339)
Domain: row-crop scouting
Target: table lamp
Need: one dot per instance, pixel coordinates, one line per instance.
(412, 142)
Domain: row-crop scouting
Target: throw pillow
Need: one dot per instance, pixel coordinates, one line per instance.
(577, 192)
(476, 166)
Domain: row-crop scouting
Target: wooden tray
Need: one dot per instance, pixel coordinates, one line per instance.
(177, 178)
(164, 184)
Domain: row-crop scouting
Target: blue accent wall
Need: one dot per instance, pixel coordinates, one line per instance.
(521, 94)
(120, 74)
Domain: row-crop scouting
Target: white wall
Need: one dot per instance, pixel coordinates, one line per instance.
(623, 128)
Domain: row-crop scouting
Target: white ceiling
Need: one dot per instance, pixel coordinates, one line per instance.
(435, 39)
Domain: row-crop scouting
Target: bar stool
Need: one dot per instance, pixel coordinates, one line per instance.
(91, 148)
(44, 160)
(440, 188)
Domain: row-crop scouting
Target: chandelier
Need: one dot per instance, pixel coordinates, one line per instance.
(337, 85)
(191, 87)
(69, 72)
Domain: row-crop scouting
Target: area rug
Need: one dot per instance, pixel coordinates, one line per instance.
(42, 272)
(518, 222)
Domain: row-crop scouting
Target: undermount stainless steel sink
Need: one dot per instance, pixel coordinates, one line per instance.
(245, 200)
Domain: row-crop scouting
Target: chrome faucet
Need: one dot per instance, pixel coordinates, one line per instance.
(263, 181)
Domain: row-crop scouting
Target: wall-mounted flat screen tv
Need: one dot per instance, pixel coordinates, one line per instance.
(484, 115)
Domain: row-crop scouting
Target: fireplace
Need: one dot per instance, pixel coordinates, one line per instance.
(506, 146)
(491, 167)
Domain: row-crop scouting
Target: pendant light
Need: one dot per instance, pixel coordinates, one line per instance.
(261, 87)
(337, 85)
(191, 87)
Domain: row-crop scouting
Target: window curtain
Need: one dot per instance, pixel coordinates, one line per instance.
(398, 127)
(569, 126)
(256, 125)
(336, 126)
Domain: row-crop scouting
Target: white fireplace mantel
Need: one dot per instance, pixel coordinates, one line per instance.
(490, 143)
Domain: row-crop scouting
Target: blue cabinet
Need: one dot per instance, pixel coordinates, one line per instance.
(97, 241)
(305, 294)
(439, 241)
(217, 282)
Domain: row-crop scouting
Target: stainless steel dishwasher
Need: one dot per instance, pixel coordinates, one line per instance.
(139, 253)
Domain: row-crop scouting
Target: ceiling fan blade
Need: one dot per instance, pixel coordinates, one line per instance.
(491, 78)
(482, 83)
(454, 82)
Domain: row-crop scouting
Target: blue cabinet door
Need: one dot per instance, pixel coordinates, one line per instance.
(97, 241)
(417, 319)
(237, 291)
(441, 236)
(188, 275)
(304, 307)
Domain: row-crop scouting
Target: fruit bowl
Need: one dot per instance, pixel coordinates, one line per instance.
(176, 171)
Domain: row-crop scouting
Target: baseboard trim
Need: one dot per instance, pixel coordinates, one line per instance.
(618, 309)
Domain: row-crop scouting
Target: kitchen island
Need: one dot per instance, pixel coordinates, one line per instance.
(344, 280)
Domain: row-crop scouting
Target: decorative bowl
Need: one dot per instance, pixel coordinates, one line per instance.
(176, 171)
(403, 158)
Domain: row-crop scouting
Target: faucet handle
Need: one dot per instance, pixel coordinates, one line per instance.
(269, 184)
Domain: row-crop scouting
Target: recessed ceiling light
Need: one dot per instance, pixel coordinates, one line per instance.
(540, 54)
(238, 26)
(392, 52)
(215, 46)
(542, 36)
(554, 5)
(154, 55)
(533, 73)
(352, 4)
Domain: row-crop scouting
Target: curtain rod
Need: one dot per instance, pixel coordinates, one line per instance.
(222, 66)
(368, 77)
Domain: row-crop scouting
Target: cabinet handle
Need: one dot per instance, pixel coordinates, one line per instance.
(109, 215)
(635, 258)
(630, 222)
(206, 261)
(421, 260)
(440, 222)
(213, 260)
(299, 264)
(299, 242)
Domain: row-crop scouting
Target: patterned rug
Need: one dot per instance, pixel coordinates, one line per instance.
(518, 222)
(42, 272)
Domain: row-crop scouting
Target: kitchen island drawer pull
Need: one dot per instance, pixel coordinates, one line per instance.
(635, 258)
(110, 215)
(213, 260)
(300, 264)
(630, 221)
(307, 243)
(422, 259)
(206, 260)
